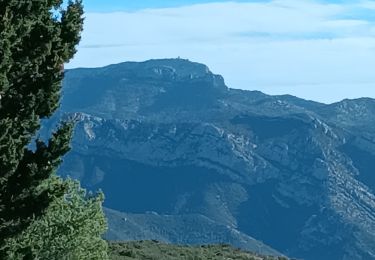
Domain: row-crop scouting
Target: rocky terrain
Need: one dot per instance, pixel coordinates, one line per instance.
(169, 137)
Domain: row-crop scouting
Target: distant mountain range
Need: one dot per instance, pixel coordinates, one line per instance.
(189, 160)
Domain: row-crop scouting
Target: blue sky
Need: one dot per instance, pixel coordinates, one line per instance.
(133, 5)
(315, 49)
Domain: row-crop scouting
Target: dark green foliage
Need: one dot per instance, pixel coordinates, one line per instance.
(155, 250)
(36, 38)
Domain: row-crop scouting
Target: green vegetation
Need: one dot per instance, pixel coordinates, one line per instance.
(41, 215)
(70, 229)
(153, 250)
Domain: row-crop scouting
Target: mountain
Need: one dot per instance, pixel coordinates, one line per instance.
(168, 136)
(188, 229)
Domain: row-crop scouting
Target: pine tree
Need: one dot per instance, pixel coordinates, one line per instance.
(36, 38)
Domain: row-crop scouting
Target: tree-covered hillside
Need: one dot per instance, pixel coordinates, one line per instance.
(154, 250)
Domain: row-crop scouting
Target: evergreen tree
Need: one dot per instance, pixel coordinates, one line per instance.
(36, 38)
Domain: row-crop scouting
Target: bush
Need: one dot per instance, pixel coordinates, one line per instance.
(70, 229)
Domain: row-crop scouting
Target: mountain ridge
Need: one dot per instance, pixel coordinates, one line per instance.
(283, 170)
(167, 228)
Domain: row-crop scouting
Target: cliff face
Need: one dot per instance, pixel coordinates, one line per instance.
(168, 136)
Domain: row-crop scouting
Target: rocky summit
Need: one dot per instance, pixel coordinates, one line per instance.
(188, 160)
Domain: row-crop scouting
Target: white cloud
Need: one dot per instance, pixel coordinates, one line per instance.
(367, 4)
(291, 46)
